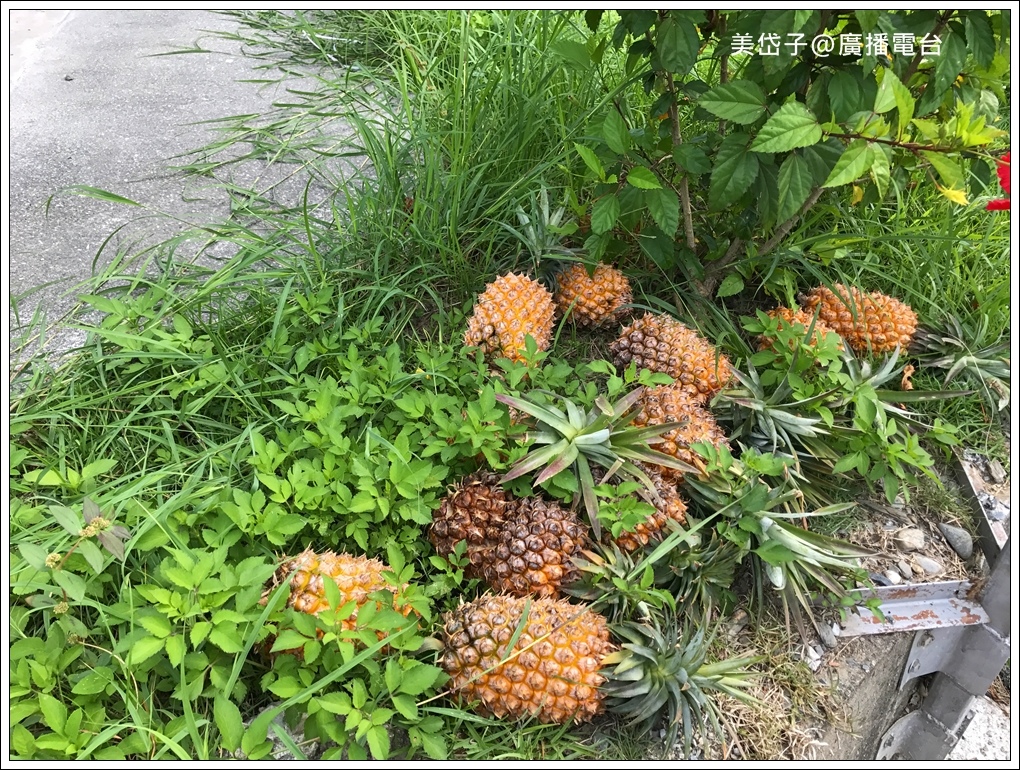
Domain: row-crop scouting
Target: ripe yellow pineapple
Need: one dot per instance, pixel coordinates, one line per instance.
(511, 307)
(355, 576)
(534, 551)
(866, 321)
(663, 344)
(672, 507)
(552, 673)
(475, 511)
(672, 403)
(789, 317)
(592, 300)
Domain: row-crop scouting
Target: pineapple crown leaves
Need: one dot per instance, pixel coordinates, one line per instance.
(541, 230)
(960, 348)
(659, 671)
(572, 438)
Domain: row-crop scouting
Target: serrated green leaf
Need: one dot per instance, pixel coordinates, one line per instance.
(228, 720)
(157, 625)
(643, 178)
(175, 649)
(226, 637)
(731, 284)
(54, 712)
(692, 159)
(418, 679)
(93, 682)
(591, 160)
(677, 43)
(846, 95)
(739, 101)
(980, 38)
(949, 170)
(792, 126)
(794, 186)
(143, 649)
(735, 169)
(881, 173)
(406, 705)
(604, 214)
(378, 742)
(664, 207)
(434, 746)
(852, 164)
(615, 132)
(199, 632)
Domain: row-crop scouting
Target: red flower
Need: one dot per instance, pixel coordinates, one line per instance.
(1001, 204)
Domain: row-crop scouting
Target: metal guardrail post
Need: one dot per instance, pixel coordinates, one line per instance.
(965, 660)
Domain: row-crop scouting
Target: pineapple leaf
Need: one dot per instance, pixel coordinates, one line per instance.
(535, 460)
(562, 462)
(549, 415)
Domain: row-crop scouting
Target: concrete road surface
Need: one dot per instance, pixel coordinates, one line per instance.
(90, 104)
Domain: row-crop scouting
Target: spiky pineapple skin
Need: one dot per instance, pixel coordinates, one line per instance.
(534, 551)
(355, 576)
(511, 307)
(673, 403)
(789, 317)
(592, 300)
(671, 507)
(866, 321)
(552, 673)
(661, 343)
(476, 511)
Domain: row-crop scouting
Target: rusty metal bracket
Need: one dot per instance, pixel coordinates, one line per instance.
(914, 608)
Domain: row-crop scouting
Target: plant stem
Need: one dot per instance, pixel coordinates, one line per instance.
(911, 146)
(685, 195)
(714, 273)
(916, 61)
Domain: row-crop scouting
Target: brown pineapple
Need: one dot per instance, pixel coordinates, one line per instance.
(672, 403)
(671, 507)
(476, 511)
(534, 551)
(553, 671)
(663, 344)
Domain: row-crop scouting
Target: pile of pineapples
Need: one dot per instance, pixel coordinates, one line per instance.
(522, 649)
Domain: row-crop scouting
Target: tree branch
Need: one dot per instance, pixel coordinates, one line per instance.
(685, 195)
(714, 273)
(916, 61)
(911, 146)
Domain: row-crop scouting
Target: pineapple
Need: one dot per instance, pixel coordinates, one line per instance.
(511, 307)
(592, 300)
(356, 577)
(533, 553)
(866, 321)
(552, 672)
(475, 510)
(663, 344)
(790, 318)
(673, 403)
(670, 506)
